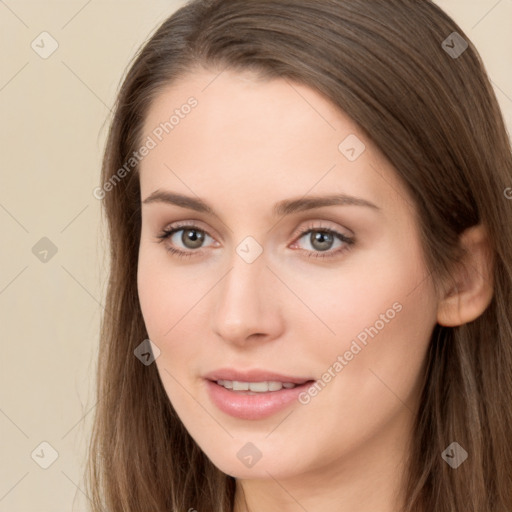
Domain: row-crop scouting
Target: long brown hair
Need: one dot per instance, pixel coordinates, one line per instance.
(424, 98)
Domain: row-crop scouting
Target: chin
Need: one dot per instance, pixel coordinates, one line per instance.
(235, 460)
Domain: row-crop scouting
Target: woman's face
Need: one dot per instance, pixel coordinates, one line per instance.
(276, 284)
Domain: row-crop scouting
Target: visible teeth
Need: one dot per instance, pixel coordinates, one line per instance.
(226, 383)
(259, 387)
(240, 386)
(256, 387)
(275, 386)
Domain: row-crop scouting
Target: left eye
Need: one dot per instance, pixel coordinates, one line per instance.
(323, 239)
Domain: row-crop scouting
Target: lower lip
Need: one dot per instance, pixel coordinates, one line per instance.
(253, 407)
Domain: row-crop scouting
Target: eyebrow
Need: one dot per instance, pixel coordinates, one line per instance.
(282, 208)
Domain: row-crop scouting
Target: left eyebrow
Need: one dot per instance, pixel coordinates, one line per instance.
(282, 208)
(289, 206)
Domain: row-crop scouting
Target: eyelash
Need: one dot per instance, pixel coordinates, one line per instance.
(349, 241)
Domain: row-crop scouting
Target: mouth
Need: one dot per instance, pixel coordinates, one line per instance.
(255, 388)
(254, 400)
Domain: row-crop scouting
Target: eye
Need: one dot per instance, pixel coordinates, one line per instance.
(321, 241)
(191, 237)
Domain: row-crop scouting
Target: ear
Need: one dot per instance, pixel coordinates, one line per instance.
(471, 288)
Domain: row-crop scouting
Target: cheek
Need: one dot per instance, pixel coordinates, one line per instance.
(384, 289)
(165, 291)
(379, 306)
(164, 309)
(172, 301)
(154, 302)
(383, 323)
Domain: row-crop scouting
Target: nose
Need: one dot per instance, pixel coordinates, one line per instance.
(247, 305)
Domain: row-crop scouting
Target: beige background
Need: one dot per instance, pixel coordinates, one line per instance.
(54, 115)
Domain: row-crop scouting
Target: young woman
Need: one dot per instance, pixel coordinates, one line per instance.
(309, 305)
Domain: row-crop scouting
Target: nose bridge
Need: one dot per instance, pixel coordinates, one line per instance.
(241, 292)
(243, 298)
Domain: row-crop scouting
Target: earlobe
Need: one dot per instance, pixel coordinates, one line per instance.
(471, 290)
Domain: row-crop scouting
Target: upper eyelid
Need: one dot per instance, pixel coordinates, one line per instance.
(178, 226)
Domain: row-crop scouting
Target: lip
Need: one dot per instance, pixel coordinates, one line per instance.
(257, 406)
(253, 375)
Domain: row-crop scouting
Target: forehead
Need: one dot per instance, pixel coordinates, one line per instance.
(228, 99)
(246, 133)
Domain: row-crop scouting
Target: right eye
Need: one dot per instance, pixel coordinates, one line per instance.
(191, 238)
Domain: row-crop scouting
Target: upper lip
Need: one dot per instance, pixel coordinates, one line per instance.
(254, 375)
